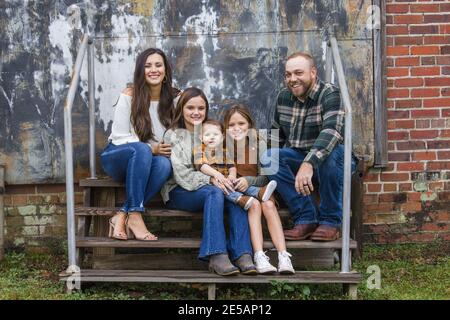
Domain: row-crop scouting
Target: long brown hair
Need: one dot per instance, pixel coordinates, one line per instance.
(188, 94)
(140, 116)
(243, 111)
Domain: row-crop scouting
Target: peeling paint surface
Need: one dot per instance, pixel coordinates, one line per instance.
(234, 50)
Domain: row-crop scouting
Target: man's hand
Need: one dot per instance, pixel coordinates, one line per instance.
(303, 179)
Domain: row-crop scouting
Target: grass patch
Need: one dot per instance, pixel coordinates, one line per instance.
(410, 271)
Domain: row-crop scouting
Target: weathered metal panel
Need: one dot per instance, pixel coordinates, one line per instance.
(234, 50)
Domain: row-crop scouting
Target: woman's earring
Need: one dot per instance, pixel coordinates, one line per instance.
(165, 79)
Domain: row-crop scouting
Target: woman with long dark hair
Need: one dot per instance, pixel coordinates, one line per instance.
(194, 191)
(135, 153)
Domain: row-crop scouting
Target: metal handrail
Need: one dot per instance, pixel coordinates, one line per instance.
(346, 257)
(69, 154)
(328, 63)
(2, 211)
(91, 91)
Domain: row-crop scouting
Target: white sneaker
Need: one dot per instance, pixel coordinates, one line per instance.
(270, 188)
(262, 263)
(248, 204)
(245, 202)
(284, 263)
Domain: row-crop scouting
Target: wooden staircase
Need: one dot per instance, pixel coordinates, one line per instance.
(173, 258)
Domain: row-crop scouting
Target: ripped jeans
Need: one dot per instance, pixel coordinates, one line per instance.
(143, 173)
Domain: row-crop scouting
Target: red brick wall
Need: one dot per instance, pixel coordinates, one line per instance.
(409, 201)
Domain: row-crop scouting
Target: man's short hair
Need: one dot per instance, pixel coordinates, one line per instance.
(304, 55)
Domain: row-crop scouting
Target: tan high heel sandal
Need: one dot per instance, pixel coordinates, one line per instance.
(148, 236)
(119, 235)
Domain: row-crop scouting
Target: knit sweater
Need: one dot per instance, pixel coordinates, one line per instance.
(184, 173)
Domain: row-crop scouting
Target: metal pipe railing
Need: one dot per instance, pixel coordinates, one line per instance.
(380, 85)
(69, 153)
(328, 63)
(345, 259)
(2, 212)
(91, 88)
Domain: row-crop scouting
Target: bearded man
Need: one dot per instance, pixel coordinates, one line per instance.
(310, 118)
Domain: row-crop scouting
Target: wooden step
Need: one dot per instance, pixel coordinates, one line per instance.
(153, 212)
(200, 276)
(100, 182)
(192, 243)
(187, 259)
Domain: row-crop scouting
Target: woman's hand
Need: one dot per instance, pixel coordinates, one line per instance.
(224, 185)
(162, 149)
(224, 181)
(219, 185)
(241, 184)
(232, 181)
(219, 177)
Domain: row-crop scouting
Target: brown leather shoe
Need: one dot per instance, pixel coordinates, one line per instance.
(325, 233)
(300, 232)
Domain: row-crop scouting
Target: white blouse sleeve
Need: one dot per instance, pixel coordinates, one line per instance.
(122, 131)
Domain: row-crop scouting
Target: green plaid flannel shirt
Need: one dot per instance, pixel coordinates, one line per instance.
(315, 125)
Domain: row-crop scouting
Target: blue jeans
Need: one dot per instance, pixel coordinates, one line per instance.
(144, 174)
(329, 175)
(251, 191)
(210, 200)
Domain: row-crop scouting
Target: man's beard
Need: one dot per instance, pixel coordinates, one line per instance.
(305, 86)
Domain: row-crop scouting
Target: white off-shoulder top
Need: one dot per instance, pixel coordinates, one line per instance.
(122, 130)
